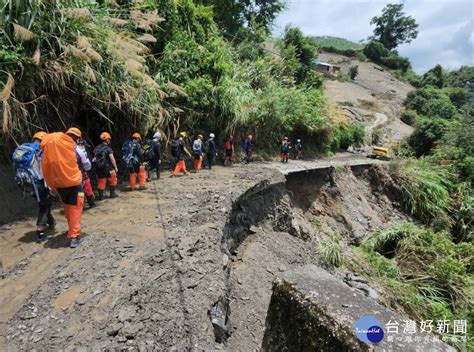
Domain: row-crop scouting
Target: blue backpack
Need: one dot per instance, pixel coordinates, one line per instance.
(23, 157)
(129, 154)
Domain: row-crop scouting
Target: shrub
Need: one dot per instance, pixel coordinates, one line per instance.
(353, 71)
(382, 265)
(431, 102)
(429, 275)
(349, 134)
(425, 188)
(331, 251)
(434, 77)
(409, 117)
(458, 96)
(386, 241)
(396, 62)
(427, 134)
(375, 50)
(345, 52)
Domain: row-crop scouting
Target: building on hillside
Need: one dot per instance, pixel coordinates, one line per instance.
(327, 68)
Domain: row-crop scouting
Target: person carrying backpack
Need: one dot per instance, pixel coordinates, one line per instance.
(29, 175)
(248, 147)
(211, 150)
(284, 150)
(106, 166)
(178, 150)
(132, 155)
(154, 157)
(198, 152)
(61, 172)
(229, 151)
(84, 164)
(298, 149)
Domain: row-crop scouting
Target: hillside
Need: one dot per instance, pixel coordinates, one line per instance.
(336, 43)
(375, 99)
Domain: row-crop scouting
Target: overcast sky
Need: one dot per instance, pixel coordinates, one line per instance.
(445, 26)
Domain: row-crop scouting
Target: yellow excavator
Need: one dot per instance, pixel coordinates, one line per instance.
(381, 152)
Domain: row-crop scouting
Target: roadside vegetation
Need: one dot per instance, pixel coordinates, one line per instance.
(158, 64)
(425, 268)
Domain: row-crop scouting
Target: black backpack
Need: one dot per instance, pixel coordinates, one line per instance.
(175, 148)
(100, 157)
(149, 151)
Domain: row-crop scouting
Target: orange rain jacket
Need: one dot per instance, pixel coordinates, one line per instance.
(59, 162)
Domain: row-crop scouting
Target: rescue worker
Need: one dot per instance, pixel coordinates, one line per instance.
(211, 150)
(298, 149)
(106, 166)
(229, 151)
(84, 164)
(133, 156)
(178, 149)
(45, 219)
(155, 161)
(284, 150)
(62, 173)
(248, 148)
(198, 153)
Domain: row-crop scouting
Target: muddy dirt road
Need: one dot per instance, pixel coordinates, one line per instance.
(152, 264)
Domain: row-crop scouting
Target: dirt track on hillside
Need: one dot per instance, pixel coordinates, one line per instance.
(375, 92)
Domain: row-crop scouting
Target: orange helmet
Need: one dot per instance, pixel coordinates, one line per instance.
(39, 135)
(136, 135)
(105, 135)
(75, 132)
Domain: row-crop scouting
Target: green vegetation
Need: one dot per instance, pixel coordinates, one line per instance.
(332, 252)
(420, 270)
(339, 46)
(159, 64)
(376, 52)
(393, 27)
(353, 71)
(425, 188)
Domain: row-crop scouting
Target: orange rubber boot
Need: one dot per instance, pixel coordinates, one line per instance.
(75, 215)
(113, 179)
(101, 183)
(199, 164)
(133, 181)
(142, 177)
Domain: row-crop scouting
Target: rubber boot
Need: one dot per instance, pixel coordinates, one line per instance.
(101, 195)
(112, 192)
(91, 201)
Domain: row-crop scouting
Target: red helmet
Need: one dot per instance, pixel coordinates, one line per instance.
(136, 135)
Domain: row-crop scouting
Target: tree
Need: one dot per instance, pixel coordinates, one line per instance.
(434, 77)
(233, 15)
(304, 49)
(393, 28)
(353, 71)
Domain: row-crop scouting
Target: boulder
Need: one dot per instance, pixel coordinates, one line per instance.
(311, 310)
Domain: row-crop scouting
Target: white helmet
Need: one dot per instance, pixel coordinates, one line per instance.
(212, 135)
(157, 135)
(298, 140)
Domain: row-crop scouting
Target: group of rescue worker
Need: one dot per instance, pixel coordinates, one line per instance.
(60, 168)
